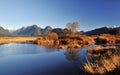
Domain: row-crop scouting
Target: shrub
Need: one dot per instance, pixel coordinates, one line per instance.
(63, 42)
(101, 41)
(53, 36)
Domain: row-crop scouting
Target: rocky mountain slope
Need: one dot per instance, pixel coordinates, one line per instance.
(4, 32)
(104, 30)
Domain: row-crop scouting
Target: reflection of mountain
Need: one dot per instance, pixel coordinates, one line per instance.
(72, 55)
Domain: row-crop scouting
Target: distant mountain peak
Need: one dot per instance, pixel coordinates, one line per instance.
(48, 27)
(34, 25)
(32, 30)
(4, 32)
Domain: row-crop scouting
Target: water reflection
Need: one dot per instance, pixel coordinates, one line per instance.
(19, 49)
(30, 59)
(72, 55)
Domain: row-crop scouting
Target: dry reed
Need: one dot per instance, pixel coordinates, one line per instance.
(103, 65)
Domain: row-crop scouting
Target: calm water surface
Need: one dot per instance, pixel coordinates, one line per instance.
(30, 59)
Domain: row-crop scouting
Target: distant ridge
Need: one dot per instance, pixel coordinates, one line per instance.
(35, 30)
(104, 30)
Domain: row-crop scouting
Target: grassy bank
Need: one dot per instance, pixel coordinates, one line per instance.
(16, 39)
(65, 41)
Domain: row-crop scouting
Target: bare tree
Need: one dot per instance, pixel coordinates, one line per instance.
(72, 27)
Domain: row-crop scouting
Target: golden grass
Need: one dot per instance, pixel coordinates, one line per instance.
(16, 39)
(107, 39)
(103, 65)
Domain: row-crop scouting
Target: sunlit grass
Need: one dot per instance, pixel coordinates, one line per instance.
(16, 39)
(103, 65)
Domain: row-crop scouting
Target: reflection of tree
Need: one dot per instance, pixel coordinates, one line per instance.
(71, 55)
(50, 49)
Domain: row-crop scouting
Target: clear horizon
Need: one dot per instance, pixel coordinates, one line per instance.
(90, 14)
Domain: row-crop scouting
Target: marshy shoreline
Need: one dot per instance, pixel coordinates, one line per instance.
(66, 41)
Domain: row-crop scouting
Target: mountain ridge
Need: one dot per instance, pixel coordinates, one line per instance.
(104, 30)
(35, 30)
(32, 30)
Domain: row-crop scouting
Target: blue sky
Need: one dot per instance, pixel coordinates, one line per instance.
(57, 13)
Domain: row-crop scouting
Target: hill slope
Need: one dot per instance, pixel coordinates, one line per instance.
(4, 32)
(33, 30)
(104, 30)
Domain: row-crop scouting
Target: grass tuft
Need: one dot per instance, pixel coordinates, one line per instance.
(103, 65)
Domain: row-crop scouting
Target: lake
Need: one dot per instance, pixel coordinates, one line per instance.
(30, 59)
